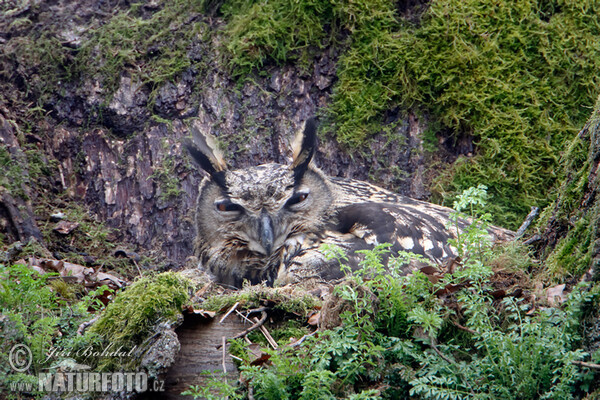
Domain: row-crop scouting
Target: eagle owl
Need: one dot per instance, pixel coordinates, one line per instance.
(267, 223)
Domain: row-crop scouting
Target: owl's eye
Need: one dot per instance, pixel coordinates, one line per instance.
(297, 198)
(228, 206)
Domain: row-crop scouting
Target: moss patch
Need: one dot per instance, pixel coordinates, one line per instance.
(130, 318)
(151, 46)
(44, 60)
(14, 175)
(518, 77)
(265, 31)
(295, 301)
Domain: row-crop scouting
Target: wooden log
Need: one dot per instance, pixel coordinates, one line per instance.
(201, 339)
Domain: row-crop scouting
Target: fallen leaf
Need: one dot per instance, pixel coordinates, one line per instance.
(52, 265)
(314, 319)
(109, 280)
(264, 357)
(82, 273)
(449, 289)
(205, 313)
(65, 227)
(453, 264)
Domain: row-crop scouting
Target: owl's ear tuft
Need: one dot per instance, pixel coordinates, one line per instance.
(304, 147)
(203, 149)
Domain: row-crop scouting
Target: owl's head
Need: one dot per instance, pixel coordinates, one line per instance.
(246, 217)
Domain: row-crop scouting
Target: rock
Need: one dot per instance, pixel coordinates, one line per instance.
(161, 350)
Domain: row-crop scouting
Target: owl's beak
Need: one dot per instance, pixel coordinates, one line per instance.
(266, 232)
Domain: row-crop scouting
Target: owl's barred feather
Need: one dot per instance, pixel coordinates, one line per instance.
(268, 223)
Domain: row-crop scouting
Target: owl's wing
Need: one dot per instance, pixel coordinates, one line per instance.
(414, 228)
(362, 226)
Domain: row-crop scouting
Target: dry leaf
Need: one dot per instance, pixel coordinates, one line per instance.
(205, 313)
(452, 264)
(109, 280)
(264, 357)
(313, 319)
(65, 227)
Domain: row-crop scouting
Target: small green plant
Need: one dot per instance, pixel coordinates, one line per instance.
(529, 359)
(36, 314)
(216, 388)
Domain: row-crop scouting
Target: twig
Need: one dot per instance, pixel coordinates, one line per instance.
(242, 316)
(203, 290)
(257, 310)
(533, 239)
(439, 353)
(464, 328)
(302, 339)
(267, 335)
(449, 361)
(224, 353)
(138, 268)
(528, 220)
(229, 312)
(86, 325)
(586, 364)
(253, 327)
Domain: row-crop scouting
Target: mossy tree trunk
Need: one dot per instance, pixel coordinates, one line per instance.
(570, 227)
(17, 220)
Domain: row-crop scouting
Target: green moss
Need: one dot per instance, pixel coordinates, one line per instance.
(166, 177)
(45, 61)
(152, 49)
(574, 253)
(279, 30)
(295, 302)
(130, 318)
(41, 312)
(368, 70)
(91, 234)
(14, 174)
(38, 165)
(515, 77)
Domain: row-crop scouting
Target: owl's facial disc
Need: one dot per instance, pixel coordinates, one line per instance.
(257, 204)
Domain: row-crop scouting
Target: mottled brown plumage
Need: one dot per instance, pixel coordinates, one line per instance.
(267, 223)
